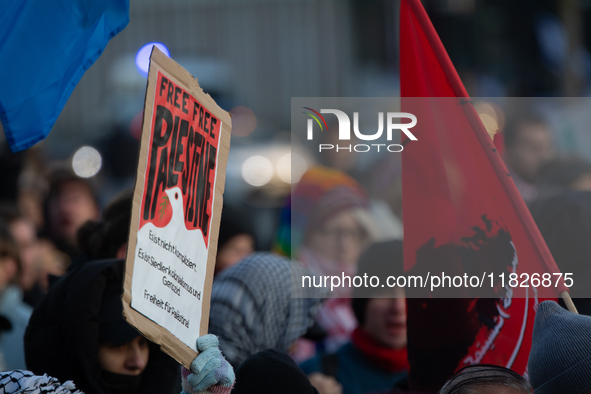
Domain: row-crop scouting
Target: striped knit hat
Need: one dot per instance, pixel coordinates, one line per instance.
(560, 357)
(321, 194)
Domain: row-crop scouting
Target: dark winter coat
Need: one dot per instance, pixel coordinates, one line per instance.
(62, 338)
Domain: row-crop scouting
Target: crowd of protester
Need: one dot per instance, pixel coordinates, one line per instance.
(61, 281)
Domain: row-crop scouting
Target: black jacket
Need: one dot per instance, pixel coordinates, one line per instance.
(62, 338)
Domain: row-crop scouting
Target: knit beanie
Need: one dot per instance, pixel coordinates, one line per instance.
(560, 358)
(382, 259)
(321, 193)
(271, 372)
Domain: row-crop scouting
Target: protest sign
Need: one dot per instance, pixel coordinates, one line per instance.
(176, 210)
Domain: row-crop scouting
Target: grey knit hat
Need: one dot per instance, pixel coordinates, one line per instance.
(560, 358)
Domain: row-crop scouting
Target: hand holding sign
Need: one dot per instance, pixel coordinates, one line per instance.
(210, 372)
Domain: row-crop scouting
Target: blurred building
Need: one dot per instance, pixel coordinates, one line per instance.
(249, 52)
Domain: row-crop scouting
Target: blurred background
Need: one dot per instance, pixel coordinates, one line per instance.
(253, 56)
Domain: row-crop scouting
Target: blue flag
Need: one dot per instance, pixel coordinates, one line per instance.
(45, 48)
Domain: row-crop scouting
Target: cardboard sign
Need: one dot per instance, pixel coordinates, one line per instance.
(177, 205)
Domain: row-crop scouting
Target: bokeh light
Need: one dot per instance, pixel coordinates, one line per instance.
(489, 115)
(244, 121)
(299, 166)
(86, 162)
(490, 124)
(291, 167)
(493, 110)
(142, 58)
(257, 170)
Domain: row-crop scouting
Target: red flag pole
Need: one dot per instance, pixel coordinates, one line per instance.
(569, 302)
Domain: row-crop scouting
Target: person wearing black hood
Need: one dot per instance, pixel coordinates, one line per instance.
(78, 333)
(82, 317)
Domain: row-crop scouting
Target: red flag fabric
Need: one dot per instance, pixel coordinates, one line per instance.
(461, 213)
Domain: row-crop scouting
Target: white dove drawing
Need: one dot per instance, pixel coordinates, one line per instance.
(170, 261)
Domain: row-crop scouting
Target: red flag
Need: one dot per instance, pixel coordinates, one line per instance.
(462, 213)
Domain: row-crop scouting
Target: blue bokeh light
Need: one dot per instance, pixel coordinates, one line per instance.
(142, 58)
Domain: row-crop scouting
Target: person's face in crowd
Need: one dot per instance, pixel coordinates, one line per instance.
(583, 183)
(385, 320)
(532, 149)
(341, 238)
(234, 250)
(53, 261)
(25, 237)
(121, 252)
(31, 206)
(130, 358)
(8, 270)
(70, 209)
